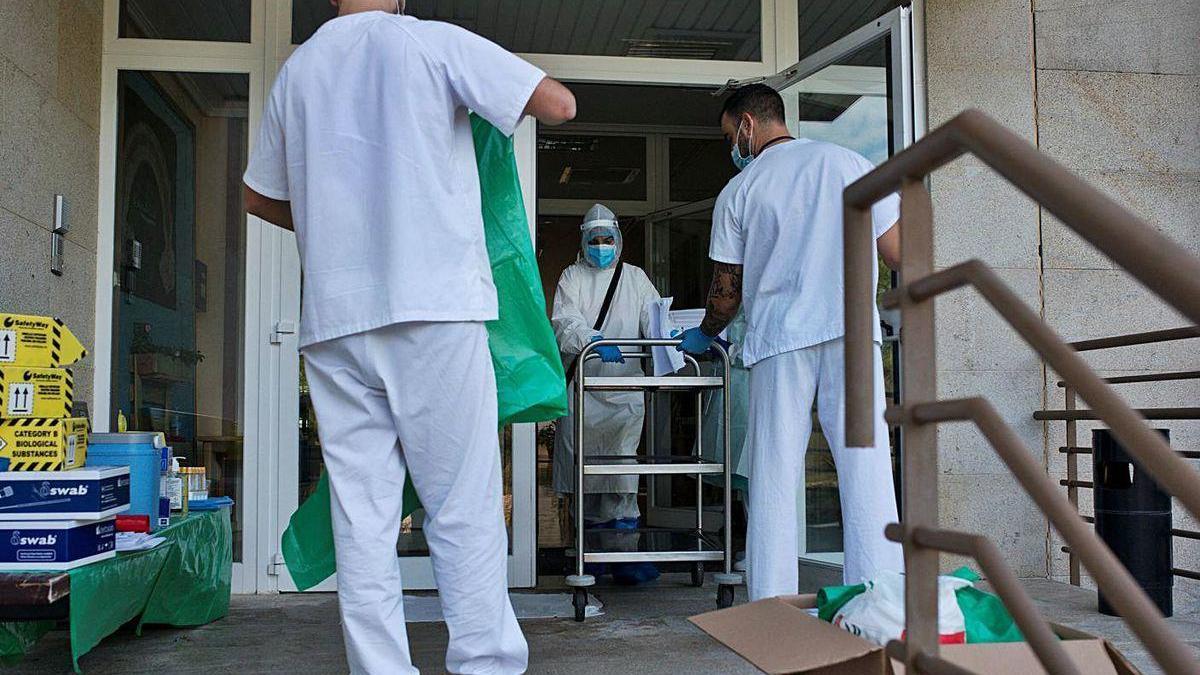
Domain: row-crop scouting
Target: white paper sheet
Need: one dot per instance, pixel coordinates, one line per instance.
(667, 360)
(137, 541)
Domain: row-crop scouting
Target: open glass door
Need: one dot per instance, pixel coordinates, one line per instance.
(677, 262)
(856, 92)
(300, 462)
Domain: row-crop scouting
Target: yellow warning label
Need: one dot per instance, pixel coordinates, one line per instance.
(38, 341)
(35, 392)
(37, 444)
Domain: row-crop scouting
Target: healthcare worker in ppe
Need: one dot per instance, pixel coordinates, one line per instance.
(365, 150)
(613, 420)
(777, 248)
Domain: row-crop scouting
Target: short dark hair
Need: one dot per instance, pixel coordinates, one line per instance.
(761, 101)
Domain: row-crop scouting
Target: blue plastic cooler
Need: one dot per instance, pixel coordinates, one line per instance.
(141, 451)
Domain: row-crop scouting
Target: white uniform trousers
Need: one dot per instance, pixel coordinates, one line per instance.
(417, 398)
(782, 388)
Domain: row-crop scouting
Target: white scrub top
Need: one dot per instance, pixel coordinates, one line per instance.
(781, 219)
(366, 134)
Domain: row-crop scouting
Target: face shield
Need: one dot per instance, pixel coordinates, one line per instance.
(600, 238)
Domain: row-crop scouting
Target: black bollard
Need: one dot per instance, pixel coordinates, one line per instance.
(1133, 517)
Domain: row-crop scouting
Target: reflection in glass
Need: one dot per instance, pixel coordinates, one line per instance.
(699, 168)
(708, 30)
(214, 20)
(180, 261)
(591, 167)
(847, 102)
(823, 22)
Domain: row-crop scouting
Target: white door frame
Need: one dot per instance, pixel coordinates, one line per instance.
(182, 56)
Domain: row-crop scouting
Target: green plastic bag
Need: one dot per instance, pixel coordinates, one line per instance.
(986, 618)
(530, 383)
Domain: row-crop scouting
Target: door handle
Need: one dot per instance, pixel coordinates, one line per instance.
(282, 328)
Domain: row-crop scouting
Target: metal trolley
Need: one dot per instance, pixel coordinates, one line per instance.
(692, 545)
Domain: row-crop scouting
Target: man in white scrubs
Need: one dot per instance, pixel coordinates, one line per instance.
(612, 420)
(365, 150)
(777, 247)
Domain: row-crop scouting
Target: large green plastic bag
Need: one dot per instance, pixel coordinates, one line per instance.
(530, 383)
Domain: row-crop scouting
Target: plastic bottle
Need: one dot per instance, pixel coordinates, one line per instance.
(175, 487)
(122, 423)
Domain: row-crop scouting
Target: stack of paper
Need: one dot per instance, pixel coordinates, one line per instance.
(137, 541)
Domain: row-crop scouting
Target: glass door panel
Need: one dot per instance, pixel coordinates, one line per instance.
(857, 93)
(180, 265)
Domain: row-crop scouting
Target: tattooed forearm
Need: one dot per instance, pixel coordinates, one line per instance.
(724, 298)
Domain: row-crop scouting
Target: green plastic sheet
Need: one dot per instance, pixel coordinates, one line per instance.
(530, 383)
(184, 581)
(196, 579)
(987, 620)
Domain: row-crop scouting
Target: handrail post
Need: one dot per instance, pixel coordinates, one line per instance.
(1072, 474)
(919, 492)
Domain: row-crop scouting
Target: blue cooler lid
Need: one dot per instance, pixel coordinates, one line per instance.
(152, 439)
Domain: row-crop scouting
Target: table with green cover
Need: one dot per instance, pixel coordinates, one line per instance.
(185, 581)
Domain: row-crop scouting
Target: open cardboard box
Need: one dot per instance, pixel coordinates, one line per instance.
(779, 636)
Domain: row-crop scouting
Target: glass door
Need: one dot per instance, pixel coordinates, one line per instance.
(179, 295)
(300, 462)
(678, 264)
(856, 92)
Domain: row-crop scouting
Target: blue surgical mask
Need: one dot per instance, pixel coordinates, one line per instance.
(602, 255)
(735, 153)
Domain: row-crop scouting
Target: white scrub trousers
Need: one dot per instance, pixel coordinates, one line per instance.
(782, 389)
(416, 398)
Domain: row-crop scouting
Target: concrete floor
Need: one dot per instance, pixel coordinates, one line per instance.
(643, 630)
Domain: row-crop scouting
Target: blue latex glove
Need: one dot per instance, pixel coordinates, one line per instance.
(608, 353)
(695, 342)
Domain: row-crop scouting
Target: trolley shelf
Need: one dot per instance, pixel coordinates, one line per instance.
(651, 545)
(671, 383)
(642, 465)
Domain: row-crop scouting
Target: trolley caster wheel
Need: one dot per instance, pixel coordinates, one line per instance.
(698, 574)
(724, 596)
(580, 601)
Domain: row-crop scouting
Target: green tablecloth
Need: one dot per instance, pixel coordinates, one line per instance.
(184, 581)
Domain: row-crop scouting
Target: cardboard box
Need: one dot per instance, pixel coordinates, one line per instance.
(85, 494)
(39, 341)
(56, 544)
(779, 636)
(39, 444)
(26, 391)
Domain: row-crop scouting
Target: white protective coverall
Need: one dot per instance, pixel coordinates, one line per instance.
(613, 419)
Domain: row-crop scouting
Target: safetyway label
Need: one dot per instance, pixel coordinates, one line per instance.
(33, 444)
(38, 341)
(35, 392)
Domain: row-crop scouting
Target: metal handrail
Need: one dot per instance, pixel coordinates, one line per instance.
(1071, 416)
(1156, 261)
(1136, 339)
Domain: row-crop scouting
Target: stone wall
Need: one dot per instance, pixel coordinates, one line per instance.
(49, 137)
(979, 56)
(1118, 89)
(1111, 90)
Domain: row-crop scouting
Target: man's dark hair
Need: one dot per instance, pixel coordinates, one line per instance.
(761, 101)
